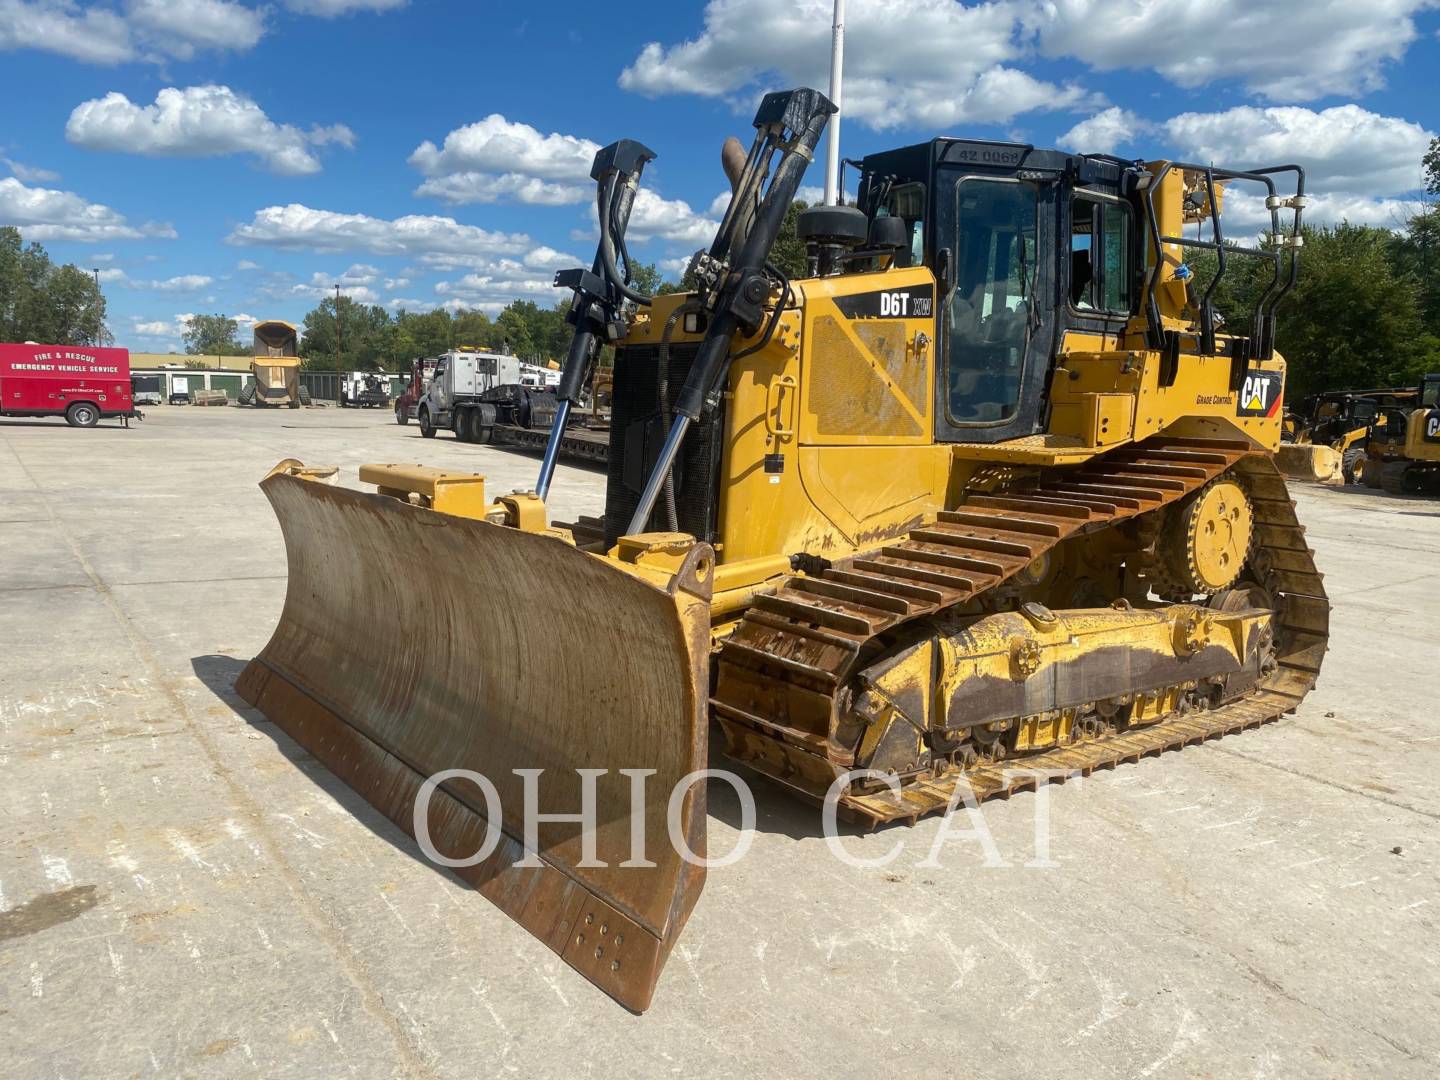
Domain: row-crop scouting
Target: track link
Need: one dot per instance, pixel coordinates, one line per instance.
(807, 637)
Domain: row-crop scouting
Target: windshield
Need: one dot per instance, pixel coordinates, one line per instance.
(990, 307)
(1430, 392)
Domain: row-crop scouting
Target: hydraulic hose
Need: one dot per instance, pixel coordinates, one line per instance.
(607, 246)
(662, 382)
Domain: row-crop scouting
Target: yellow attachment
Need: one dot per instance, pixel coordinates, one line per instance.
(501, 650)
(461, 494)
(1310, 461)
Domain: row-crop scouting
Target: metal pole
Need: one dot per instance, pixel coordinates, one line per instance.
(339, 347)
(837, 62)
(98, 297)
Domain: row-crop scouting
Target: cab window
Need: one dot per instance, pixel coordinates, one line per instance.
(1102, 255)
(991, 305)
(907, 202)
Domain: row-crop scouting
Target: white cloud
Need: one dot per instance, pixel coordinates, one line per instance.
(95, 36)
(1278, 49)
(1343, 149)
(496, 159)
(28, 173)
(397, 283)
(328, 9)
(297, 227)
(247, 264)
(199, 121)
(474, 187)
(937, 63)
(1104, 132)
(174, 328)
(48, 214)
(494, 283)
(180, 283)
(180, 27)
(653, 217)
(1245, 212)
(135, 30)
(497, 145)
(910, 63)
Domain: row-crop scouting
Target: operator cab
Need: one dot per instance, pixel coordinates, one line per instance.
(1029, 244)
(1430, 392)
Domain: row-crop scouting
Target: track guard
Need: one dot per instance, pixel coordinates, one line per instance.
(413, 642)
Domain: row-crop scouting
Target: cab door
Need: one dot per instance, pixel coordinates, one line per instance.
(996, 323)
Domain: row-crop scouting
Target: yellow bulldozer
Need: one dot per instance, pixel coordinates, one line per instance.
(1403, 453)
(986, 491)
(275, 371)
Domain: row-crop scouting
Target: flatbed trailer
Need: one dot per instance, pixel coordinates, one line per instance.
(585, 443)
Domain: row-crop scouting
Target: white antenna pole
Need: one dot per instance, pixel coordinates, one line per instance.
(837, 61)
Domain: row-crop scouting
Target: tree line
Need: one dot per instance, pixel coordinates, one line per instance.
(39, 301)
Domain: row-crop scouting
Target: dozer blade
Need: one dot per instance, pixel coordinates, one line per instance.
(1317, 463)
(413, 642)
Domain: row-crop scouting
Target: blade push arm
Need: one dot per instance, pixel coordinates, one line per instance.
(600, 292)
(734, 282)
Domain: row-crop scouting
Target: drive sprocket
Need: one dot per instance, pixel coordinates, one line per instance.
(1204, 541)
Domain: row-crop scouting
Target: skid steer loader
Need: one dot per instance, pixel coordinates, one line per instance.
(986, 489)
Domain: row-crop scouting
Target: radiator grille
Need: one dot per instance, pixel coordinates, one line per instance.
(636, 437)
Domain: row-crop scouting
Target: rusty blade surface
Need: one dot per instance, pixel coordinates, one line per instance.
(413, 642)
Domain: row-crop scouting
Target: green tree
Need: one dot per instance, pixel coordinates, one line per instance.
(516, 325)
(788, 254)
(1353, 319)
(42, 302)
(474, 328)
(213, 335)
(1431, 163)
(646, 278)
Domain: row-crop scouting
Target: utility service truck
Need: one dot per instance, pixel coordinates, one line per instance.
(78, 382)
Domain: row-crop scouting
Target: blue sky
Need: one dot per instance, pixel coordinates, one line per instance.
(228, 156)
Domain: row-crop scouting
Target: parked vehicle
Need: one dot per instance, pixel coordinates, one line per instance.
(179, 390)
(408, 403)
(456, 397)
(1403, 454)
(275, 371)
(80, 383)
(147, 389)
(363, 390)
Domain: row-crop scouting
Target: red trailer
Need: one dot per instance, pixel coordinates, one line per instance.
(80, 383)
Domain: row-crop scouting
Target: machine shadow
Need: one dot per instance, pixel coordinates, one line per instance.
(219, 672)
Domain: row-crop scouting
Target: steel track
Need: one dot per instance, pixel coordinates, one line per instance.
(805, 641)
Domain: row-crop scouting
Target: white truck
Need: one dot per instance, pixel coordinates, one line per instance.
(455, 399)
